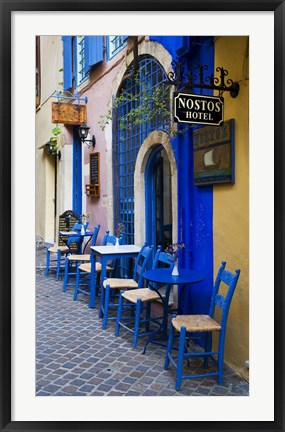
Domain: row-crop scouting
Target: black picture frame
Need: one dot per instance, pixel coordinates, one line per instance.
(7, 7)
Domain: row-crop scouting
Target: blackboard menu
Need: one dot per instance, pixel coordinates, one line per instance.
(93, 189)
(95, 168)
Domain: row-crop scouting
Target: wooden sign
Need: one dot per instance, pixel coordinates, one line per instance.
(214, 154)
(68, 113)
(94, 187)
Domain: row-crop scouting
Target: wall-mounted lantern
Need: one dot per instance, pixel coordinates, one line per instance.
(50, 149)
(83, 134)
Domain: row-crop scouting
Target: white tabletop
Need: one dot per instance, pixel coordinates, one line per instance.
(74, 233)
(122, 249)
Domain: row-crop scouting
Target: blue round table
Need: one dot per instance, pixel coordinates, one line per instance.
(163, 276)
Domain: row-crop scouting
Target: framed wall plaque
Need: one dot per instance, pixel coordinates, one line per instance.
(214, 154)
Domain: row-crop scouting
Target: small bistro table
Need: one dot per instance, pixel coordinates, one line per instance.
(163, 276)
(71, 234)
(105, 254)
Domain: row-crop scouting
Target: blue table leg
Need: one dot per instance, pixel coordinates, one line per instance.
(103, 277)
(92, 281)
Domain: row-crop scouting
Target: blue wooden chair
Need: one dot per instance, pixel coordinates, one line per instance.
(141, 299)
(61, 252)
(188, 326)
(83, 271)
(112, 286)
(72, 260)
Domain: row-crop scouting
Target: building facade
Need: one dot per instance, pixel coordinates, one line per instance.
(145, 169)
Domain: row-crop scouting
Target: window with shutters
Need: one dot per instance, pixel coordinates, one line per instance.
(80, 69)
(80, 53)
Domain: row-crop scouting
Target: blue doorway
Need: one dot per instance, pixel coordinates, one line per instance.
(158, 199)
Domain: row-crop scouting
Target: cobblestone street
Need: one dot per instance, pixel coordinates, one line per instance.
(76, 357)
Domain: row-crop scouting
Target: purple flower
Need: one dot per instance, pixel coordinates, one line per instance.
(174, 249)
(120, 229)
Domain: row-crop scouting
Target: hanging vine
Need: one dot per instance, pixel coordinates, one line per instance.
(148, 105)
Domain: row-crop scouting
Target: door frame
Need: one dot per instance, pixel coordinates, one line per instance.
(150, 196)
(153, 140)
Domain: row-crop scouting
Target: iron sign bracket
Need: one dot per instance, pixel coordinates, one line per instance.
(70, 96)
(189, 80)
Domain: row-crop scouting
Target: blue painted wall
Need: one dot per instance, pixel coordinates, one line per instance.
(195, 204)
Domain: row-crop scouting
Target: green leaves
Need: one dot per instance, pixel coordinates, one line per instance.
(147, 104)
(56, 131)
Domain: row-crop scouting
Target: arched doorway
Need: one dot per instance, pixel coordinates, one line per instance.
(158, 198)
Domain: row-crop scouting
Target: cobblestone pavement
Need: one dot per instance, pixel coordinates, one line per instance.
(75, 357)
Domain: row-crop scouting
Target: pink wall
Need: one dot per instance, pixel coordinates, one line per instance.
(99, 95)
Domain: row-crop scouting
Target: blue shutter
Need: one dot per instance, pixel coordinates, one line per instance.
(67, 62)
(93, 51)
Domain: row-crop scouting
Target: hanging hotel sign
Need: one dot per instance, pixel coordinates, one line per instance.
(214, 154)
(198, 109)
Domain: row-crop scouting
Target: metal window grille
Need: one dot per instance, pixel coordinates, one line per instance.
(130, 136)
(116, 43)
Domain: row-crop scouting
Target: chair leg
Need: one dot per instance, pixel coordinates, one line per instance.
(169, 346)
(77, 279)
(58, 264)
(180, 358)
(47, 262)
(147, 316)
(208, 348)
(66, 274)
(137, 323)
(106, 306)
(119, 314)
(102, 299)
(221, 359)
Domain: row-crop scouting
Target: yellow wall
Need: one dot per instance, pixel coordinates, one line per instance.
(231, 202)
(51, 62)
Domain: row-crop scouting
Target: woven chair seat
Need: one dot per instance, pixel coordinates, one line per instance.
(195, 323)
(98, 267)
(55, 249)
(118, 283)
(145, 294)
(83, 257)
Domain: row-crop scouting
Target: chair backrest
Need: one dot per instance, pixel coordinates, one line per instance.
(109, 239)
(95, 235)
(141, 263)
(75, 242)
(223, 302)
(162, 259)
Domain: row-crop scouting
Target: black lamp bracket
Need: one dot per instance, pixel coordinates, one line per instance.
(179, 78)
(90, 142)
